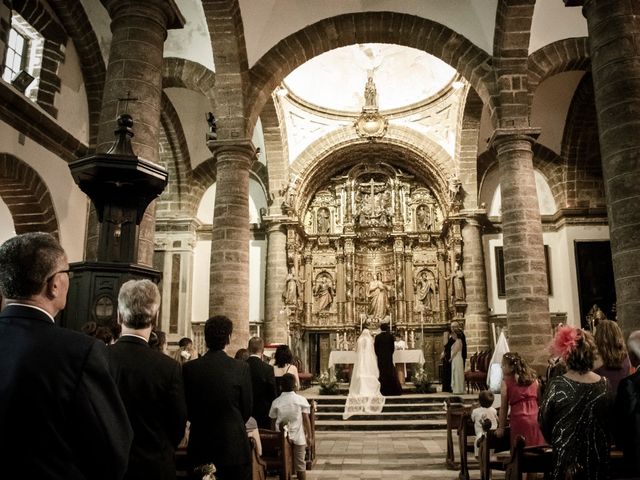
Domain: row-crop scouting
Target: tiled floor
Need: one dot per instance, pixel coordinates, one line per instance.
(382, 455)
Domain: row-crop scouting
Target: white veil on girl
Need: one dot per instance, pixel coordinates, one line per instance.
(364, 389)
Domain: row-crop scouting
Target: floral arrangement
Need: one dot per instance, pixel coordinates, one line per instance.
(328, 384)
(421, 381)
(206, 471)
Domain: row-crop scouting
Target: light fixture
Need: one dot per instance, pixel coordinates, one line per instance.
(22, 80)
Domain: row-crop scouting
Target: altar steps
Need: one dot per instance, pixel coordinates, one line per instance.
(406, 412)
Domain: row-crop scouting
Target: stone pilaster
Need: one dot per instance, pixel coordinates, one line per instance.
(275, 326)
(139, 29)
(525, 272)
(614, 33)
(476, 326)
(229, 286)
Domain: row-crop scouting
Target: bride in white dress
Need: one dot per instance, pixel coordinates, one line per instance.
(364, 389)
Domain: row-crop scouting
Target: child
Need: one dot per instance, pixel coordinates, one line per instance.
(292, 409)
(484, 412)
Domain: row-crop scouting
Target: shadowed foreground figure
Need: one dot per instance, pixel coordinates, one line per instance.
(61, 416)
(384, 345)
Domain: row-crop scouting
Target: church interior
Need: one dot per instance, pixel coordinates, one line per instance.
(307, 167)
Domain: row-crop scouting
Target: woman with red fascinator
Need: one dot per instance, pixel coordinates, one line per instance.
(573, 414)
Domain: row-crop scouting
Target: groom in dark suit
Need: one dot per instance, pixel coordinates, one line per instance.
(263, 383)
(384, 347)
(219, 398)
(150, 384)
(61, 416)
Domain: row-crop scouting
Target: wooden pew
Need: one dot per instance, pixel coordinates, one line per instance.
(455, 410)
(466, 441)
(493, 460)
(277, 453)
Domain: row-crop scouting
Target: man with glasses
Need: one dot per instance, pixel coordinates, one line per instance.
(61, 416)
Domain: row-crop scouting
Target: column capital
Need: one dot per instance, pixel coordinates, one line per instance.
(173, 18)
(233, 149)
(502, 136)
(474, 218)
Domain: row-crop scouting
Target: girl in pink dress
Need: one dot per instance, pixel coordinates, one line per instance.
(519, 392)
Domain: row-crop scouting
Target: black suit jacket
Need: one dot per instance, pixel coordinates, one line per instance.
(61, 416)
(150, 384)
(384, 345)
(219, 402)
(627, 422)
(263, 384)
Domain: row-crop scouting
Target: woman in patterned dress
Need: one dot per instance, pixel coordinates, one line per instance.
(573, 414)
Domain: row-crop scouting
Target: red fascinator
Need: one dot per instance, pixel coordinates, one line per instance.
(565, 341)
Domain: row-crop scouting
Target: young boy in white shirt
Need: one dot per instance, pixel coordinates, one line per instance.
(293, 410)
(484, 412)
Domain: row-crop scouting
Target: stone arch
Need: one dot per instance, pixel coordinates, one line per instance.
(467, 147)
(182, 73)
(75, 21)
(174, 156)
(557, 57)
(275, 143)
(581, 149)
(419, 154)
(551, 165)
(26, 196)
(472, 62)
(204, 175)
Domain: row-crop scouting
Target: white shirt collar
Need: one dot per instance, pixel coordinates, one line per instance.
(256, 355)
(134, 335)
(37, 308)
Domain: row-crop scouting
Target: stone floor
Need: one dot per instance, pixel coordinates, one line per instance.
(409, 455)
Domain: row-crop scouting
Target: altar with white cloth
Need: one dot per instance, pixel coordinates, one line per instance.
(346, 357)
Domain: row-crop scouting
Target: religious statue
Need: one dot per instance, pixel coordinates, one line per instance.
(457, 284)
(423, 219)
(370, 94)
(213, 127)
(322, 294)
(378, 298)
(425, 290)
(292, 288)
(287, 194)
(455, 186)
(323, 221)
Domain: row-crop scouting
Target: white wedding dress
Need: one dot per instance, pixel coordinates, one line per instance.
(364, 389)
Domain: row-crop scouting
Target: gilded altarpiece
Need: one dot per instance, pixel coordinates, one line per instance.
(375, 245)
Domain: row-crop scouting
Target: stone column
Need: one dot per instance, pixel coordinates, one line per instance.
(139, 29)
(528, 318)
(476, 326)
(614, 33)
(229, 286)
(274, 329)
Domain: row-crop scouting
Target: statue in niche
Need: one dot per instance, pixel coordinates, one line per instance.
(455, 191)
(457, 284)
(370, 94)
(292, 288)
(288, 196)
(322, 293)
(323, 221)
(423, 218)
(378, 294)
(425, 290)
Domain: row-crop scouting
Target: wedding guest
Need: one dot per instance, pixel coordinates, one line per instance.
(219, 397)
(61, 417)
(294, 410)
(242, 354)
(284, 364)
(573, 414)
(627, 412)
(186, 351)
(150, 384)
(263, 383)
(482, 413)
(612, 361)
(519, 397)
(158, 341)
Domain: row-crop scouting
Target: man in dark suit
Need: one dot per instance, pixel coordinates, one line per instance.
(219, 403)
(263, 383)
(384, 347)
(150, 384)
(627, 412)
(61, 416)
